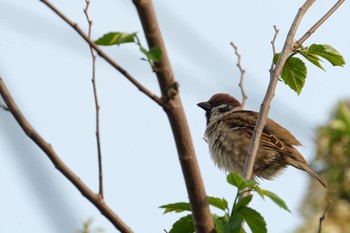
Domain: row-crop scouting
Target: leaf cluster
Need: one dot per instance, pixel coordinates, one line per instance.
(229, 221)
(295, 71)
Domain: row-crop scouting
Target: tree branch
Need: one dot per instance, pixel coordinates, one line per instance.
(274, 46)
(97, 105)
(102, 54)
(288, 47)
(244, 96)
(199, 205)
(319, 23)
(265, 106)
(95, 199)
(323, 217)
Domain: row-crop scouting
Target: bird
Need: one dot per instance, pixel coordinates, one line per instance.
(229, 129)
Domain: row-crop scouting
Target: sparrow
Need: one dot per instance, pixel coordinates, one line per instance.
(228, 133)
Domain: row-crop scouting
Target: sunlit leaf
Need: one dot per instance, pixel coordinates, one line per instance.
(116, 38)
(176, 207)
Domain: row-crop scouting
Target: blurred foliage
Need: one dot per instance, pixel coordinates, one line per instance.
(87, 227)
(332, 159)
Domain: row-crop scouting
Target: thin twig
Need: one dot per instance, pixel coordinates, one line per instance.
(323, 217)
(273, 44)
(102, 54)
(97, 105)
(319, 23)
(265, 106)
(28, 129)
(244, 96)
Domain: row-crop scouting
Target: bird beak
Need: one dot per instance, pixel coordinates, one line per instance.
(205, 105)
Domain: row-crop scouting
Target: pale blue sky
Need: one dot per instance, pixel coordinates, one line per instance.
(46, 66)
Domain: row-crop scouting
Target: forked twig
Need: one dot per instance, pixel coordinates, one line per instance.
(102, 54)
(274, 45)
(265, 106)
(319, 23)
(244, 96)
(97, 105)
(323, 217)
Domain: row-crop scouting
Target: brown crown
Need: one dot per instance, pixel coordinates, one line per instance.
(223, 98)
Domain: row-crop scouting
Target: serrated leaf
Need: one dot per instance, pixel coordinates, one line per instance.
(276, 199)
(294, 74)
(314, 59)
(117, 38)
(254, 219)
(154, 54)
(218, 203)
(327, 52)
(183, 225)
(243, 202)
(176, 207)
(235, 179)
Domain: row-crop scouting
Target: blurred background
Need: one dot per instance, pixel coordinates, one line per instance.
(47, 68)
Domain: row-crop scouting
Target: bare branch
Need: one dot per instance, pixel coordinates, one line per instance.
(323, 217)
(97, 105)
(319, 23)
(95, 199)
(203, 220)
(265, 106)
(244, 96)
(102, 54)
(274, 46)
(288, 47)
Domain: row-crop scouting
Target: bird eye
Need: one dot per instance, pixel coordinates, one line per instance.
(225, 108)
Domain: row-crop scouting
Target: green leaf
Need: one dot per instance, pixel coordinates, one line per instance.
(294, 74)
(117, 38)
(176, 207)
(276, 199)
(314, 59)
(275, 58)
(254, 219)
(235, 224)
(221, 224)
(154, 54)
(327, 52)
(236, 180)
(243, 202)
(249, 183)
(183, 225)
(218, 203)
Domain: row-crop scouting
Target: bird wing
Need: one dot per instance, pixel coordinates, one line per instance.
(274, 136)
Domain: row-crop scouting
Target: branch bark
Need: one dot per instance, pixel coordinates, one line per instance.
(275, 72)
(174, 110)
(265, 106)
(95, 199)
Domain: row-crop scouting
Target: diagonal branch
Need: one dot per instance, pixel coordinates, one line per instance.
(265, 106)
(102, 54)
(288, 47)
(203, 220)
(319, 23)
(95, 199)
